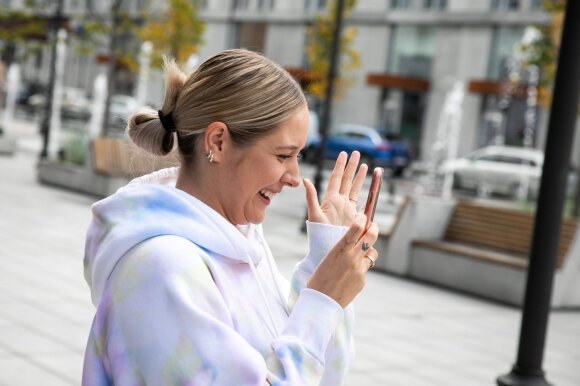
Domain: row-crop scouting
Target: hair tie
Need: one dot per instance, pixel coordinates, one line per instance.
(167, 121)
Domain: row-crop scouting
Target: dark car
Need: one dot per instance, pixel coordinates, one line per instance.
(376, 147)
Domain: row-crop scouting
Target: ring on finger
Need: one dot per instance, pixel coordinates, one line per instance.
(372, 260)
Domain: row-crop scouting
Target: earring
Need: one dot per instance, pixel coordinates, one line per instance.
(210, 156)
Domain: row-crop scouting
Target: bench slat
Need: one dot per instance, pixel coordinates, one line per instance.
(498, 230)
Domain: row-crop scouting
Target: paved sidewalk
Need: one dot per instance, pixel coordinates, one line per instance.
(407, 333)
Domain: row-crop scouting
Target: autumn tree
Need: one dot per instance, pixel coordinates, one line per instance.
(318, 52)
(177, 31)
(543, 52)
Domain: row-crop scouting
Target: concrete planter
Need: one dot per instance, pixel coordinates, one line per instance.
(78, 178)
(7, 146)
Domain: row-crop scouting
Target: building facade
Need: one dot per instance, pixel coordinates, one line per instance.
(412, 53)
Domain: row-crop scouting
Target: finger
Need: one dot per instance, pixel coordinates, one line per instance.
(348, 175)
(358, 182)
(311, 198)
(370, 258)
(356, 230)
(337, 172)
(370, 234)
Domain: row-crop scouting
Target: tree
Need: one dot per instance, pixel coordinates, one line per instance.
(543, 52)
(177, 32)
(318, 52)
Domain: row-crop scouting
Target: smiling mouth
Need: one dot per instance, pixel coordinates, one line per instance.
(267, 195)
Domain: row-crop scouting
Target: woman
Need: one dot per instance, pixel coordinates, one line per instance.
(186, 289)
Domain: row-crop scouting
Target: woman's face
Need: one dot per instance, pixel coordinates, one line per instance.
(256, 173)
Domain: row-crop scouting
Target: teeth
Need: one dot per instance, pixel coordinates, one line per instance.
(267, 193)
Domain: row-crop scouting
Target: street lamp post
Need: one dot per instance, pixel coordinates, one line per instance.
(528, 368)
(45, 125)
(327, 105)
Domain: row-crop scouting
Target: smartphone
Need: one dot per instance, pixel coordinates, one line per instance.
(373, 196)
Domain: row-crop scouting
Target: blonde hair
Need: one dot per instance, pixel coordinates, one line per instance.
(248, 92)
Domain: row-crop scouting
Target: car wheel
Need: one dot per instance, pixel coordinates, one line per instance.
(457, 182)
(309, 155)
(398, 172)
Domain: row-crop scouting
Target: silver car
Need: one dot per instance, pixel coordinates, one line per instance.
(497, 169)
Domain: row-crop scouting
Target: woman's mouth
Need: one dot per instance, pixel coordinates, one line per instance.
(267, 195)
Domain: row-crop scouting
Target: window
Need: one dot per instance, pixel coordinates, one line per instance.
(536, 5)
(315, 4)
(505, 5)
(265, 5)
(437, 5)
(241, 4)
(399, 4)
(504, 40)
(412, 50)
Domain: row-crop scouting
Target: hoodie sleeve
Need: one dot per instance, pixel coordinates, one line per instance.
(340, 351)
(163, 321)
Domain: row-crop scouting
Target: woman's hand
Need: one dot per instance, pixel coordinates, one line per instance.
(340, 200)
(341, 274)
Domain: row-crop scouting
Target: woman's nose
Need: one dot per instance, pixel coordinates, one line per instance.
(292, 176)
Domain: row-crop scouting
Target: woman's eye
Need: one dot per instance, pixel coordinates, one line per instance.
(284, 157)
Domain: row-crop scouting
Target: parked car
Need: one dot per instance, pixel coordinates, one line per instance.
(76, 103)
(500, 169)
(375, 148)
(122, 106)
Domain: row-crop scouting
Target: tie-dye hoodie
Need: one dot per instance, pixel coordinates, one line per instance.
(184, 297)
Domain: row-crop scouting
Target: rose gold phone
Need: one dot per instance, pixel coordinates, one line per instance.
(373, 196)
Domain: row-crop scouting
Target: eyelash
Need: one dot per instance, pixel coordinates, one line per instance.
(284, 157)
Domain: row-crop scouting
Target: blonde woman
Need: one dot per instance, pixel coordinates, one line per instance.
(186, 289)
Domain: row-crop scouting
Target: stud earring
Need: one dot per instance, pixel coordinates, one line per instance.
(210, 156)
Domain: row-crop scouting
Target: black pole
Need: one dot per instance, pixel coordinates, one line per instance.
(45, 125)
(327, 105)
(112, 64)
(528, 369)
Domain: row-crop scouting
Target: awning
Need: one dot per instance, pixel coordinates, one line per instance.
(386, 80)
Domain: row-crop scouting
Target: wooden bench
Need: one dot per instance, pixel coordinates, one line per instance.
(497, 234)
(489, 236)
(118, 158)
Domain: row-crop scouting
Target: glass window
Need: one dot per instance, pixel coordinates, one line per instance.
(435, 4)
(412, 50)
(315, 4)
(265, 4)
(399, 4)
(505, 5)
(241, 4)
(536, 5)
(504, 40)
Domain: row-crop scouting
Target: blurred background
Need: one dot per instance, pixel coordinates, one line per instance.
(452, 97)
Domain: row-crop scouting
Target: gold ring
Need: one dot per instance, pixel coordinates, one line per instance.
(372, 261)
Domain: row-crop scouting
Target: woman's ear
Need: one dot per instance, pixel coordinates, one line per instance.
(216, 139)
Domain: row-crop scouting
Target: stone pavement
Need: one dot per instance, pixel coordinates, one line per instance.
(407, 333)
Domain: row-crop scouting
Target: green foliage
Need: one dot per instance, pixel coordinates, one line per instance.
(177, 32)
(544, 52)
(75, 149)
(319, 47)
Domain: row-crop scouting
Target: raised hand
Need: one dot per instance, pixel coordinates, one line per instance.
(340, 200)
(341, 274)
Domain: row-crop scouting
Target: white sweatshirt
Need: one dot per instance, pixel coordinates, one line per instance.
(184, 297)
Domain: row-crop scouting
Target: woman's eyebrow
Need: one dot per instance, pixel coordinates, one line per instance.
(287, 147)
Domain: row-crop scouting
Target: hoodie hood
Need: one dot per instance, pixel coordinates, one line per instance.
(151, 206)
